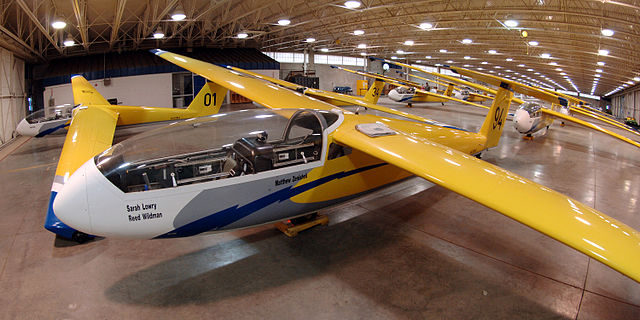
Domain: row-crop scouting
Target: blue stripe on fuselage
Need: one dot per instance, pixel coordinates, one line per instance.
(230, 215)
(52, 130)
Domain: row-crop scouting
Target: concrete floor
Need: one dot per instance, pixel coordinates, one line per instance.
(403, 252)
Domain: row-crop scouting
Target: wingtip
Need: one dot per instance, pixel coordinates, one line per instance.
(157, 52)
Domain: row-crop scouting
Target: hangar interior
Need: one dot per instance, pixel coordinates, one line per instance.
(409, 250)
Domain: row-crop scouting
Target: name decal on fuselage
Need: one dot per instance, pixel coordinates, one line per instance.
(148, 214)
(282, 181)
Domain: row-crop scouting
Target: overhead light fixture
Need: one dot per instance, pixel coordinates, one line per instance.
(480, 69)
(324, 49)
(600, 63)
(399, 51)
(68, 42)
(443, 50)
(521, 65)
(511, 23)
(563, 73)
(449, 61)
(394, 57)
(636, 79)
(545, 55)
(159, 34)
(178, 14)
(598, 70)
(533, 43)
(467, 57)
(363, 53)
(408, 43)
(427, 57)
(484, 62)
(352, 4)
(309, 40)
(242, 35)
(58, 23)
(553, 63)
(358, 32)
(524, 33)
(509, 59)
(498, 67)
(492, 51)
(362, 46)
(607, 32)
(284, 22)
(467, 41)
(558, 69)
(603, 52)
(597, 75)
(425, 26)
(529, 69)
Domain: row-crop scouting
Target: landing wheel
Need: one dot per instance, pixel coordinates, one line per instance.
(442, 103)
(80, 237)
(479, 155)
(409, 105)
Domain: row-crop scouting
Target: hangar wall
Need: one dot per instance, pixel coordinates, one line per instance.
(626, 104)
(153, 90)
(329, 77)
(12, 94)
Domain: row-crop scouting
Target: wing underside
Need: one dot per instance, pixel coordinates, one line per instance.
(562, 218)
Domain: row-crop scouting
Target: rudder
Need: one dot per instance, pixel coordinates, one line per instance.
(373, 94)
(208, 100)
(84, 93)
(494, 122)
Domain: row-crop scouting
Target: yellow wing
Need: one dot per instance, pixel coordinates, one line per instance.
(91, 132)
(589, 125)
(560, 217)
(587, 113)
(266, 94)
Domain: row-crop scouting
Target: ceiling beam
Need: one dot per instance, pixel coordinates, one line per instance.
(37, 23)
(80, 11)
(117, 21)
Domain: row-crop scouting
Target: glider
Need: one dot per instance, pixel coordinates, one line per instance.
(530, 116)
(94, 120)
(298, 155)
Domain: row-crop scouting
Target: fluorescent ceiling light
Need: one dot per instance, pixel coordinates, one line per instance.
(545, 55)
(467, 57)
(533, 43)
(58, 24)
(362, 46)
(636, 79)
(529, 69)
(509, 59)
(408, 43)
(428, 57)
(484, 62)
(309, 40)
(284, 22)
(521, 65)
(600, 63)
(400, 51)
(558, 69)
(467, 41)
(394, 57)
(443, 50)
(358, 32)
(324, 49)
(159, 34)
(352, 4)
(603, 52)
(607, 32)
(363, 53)
(598, 70)
(553, 63)
(492, 51)
(69, 41)
(178, 16)
(449, 61)
(511, 23)
(425, 26)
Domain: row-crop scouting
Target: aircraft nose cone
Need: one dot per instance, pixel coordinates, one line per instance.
(23, 128)
(71, 206)
(522, 121)
(394, 95)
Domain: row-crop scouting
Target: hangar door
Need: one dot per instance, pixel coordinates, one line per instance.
(12, 94)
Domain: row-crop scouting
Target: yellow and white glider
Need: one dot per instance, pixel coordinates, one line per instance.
(383, 150)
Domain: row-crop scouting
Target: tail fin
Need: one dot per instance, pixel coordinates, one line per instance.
(449, 91)
(373, 94)
(84, 93)
(495, 120)
(208, 100)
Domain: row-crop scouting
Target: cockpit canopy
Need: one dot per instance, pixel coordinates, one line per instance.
(48, 114)
(533, 108)
(216, 147)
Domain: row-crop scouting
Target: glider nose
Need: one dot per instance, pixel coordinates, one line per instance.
(522, 121)
(394, 95)
(71, 205)
(24, 129)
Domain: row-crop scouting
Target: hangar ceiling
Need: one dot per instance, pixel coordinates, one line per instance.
(570, 32)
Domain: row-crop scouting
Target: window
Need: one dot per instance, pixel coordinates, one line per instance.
(182, 89)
